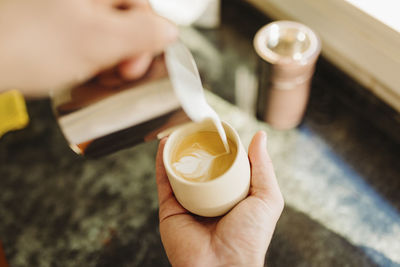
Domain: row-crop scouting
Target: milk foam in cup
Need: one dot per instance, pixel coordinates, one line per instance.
(201, 156)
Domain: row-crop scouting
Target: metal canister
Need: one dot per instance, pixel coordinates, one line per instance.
(287, 53)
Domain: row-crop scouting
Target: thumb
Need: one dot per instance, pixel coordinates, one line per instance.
(263, 180)
(143, 31)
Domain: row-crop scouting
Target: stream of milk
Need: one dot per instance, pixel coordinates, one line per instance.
(189, 89)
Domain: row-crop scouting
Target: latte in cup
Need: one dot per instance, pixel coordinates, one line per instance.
(201, 156)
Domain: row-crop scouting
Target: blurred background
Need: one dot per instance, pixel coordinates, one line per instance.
(338, 169)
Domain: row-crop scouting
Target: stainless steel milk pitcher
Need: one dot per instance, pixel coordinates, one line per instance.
(107, 114)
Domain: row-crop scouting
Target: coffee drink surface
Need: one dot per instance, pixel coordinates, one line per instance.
(201, 156)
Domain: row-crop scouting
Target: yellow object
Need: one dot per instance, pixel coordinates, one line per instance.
(13, 114)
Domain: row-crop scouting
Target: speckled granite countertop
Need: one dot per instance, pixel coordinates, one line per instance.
(339, 172)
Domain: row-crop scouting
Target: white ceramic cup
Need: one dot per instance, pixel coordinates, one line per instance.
(215, 197)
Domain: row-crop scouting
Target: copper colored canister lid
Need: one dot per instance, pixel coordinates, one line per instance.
(287, 43)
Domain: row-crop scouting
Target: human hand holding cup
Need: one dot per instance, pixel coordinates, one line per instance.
(240, 237)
